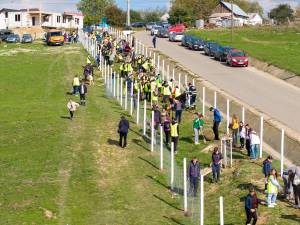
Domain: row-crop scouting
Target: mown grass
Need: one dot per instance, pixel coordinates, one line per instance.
(54, 171)
(279, 46)
(57, 171)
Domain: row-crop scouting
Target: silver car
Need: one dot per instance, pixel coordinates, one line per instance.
(155, 29)
(175, 36)
(150, 25)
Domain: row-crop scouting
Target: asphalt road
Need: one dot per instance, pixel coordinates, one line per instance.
(262, 91)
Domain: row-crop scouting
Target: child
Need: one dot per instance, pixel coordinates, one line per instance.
(242, 134)
(267, 166)
(251, 206)
(216, 164)
(272, 188)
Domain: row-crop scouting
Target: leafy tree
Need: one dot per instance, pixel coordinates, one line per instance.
(152, 16)
(250, 6)
(94, 10)
(282, 13)
(135, 16)
(115, 16)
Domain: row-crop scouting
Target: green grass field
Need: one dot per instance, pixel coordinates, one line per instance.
(276, 46)
(57, 171)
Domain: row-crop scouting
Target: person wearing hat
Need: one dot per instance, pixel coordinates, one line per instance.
(123, 131)
(175, 133)
(216, 122)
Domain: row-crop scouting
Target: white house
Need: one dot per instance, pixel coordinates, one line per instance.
(24, 18)
(254, 19)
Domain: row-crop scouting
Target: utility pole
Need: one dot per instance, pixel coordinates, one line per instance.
(128, 13)
(231, 21)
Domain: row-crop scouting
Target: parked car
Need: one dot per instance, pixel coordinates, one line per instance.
(213, 49)
(196, 44)
(208, 47)
(13, 38)
(155, 29)
(237, 58)
(138, 24)
(176, 36)
(185, 40)
(27, 38)
(221, 53)
(163, 33)
(4, 34)
(176, 28)
(150, 25)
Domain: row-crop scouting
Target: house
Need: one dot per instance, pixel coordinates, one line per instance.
(26, 18)
(254, 19)
(221, 15)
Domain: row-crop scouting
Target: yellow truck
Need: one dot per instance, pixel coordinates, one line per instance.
(55, 37)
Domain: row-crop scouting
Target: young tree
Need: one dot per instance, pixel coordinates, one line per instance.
(282, 13)
(297, 14)
(135, 16)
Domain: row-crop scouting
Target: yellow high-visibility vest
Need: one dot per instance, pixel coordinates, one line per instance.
(174, 131)
(177, 92)
(271, 188)
(154, 97)
(167, 91)
(76, 81)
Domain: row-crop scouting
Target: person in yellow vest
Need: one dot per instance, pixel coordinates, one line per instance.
(139, 63)
(158, 83)
(127, 68)
(235, 129)
(147, 90)
(146, 66)
(176, 91)
(122, 70)
(154, 97)
(175, 134)
(76, 84)
(166, 93)
(272, 188)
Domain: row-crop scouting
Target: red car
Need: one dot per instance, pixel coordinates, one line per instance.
(237, 58)
(178, 28)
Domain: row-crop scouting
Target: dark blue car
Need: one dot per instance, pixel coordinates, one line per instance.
(221, 53)
(208, 46)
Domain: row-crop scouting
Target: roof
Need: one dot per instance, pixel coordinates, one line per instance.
(73, 13)
(9, 10)
(236, 9)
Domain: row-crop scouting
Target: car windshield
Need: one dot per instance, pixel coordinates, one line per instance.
(27, 35)
(55, 34)
(11, 36)
(238, 54)
(178, 33)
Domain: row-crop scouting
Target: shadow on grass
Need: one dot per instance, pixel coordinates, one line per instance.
(187, 139)
(65, 117)
(168, 203)
(158, 181)
(150, 163)
(246, 186)
(112, 142)
(69, 93)
(173, 220)
(291, 217)
(140, 143)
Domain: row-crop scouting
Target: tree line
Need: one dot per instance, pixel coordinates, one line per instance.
(94, 10)
(181, 11)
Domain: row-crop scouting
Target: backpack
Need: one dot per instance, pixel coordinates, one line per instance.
(296, 180)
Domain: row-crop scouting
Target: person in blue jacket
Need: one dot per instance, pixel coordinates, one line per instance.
(217, 121)
(251, 206)
(267, 166)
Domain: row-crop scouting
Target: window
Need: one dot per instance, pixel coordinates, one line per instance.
(17, 17)
(76, 21)
(64, 19)
(58, 19)
(46, 19)
(6, 15)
